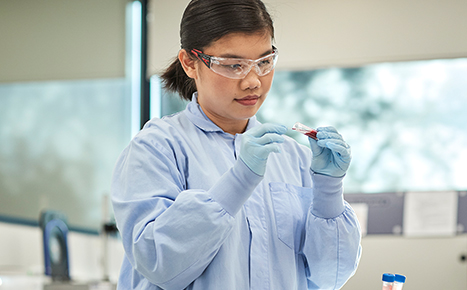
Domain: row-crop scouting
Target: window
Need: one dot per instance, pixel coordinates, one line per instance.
(60, 141)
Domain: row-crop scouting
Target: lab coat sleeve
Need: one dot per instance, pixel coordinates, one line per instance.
(169, 234)
(332, 239)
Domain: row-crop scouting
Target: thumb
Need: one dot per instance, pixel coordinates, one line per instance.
(315, 148)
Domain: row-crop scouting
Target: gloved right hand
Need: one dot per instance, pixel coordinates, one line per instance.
(331, 154)
(258, 142)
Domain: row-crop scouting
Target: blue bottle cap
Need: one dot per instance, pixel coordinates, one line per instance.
(399, 278)
(388, 277)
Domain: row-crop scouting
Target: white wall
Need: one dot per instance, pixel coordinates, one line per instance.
(321, 33)
(56, 39)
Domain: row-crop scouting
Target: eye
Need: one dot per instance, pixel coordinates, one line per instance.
(264, 62)
(235, 66)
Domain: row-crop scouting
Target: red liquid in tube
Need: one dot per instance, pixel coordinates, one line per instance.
(307, 131)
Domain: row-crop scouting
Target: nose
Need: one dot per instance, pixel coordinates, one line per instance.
(251, 80)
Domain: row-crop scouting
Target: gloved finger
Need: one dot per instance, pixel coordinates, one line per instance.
(315, 148)
(330, 129)
(273, 147)
(340, 142)
(328, 135)
(269, 138)
(259, 131)
(261, 152)
(341, 151)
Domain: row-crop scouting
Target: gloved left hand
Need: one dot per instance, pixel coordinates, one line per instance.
(331, 154)
(258, 143)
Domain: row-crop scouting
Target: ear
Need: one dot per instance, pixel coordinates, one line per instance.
(188, 63)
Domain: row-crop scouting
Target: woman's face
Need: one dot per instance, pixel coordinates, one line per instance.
(229, 103)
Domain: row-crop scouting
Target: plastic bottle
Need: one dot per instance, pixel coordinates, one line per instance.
(399, 281)
(388, 281)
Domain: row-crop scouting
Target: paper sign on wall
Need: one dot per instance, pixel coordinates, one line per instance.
(430, 213)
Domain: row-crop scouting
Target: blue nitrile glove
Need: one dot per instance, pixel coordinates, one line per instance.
(258, 142)
(331, 155)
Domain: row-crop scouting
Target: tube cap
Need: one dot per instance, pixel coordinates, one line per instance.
(388, 277)
(399, 278)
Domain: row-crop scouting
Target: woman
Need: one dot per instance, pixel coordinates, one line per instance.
(209, 198)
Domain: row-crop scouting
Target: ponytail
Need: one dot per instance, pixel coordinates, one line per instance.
(174, 79)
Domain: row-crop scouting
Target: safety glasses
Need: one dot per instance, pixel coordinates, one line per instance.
(238, 68)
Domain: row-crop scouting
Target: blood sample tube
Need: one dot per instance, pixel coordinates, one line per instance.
(307, 131)
(388, 281)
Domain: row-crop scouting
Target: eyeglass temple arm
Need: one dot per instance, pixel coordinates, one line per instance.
(205, 58)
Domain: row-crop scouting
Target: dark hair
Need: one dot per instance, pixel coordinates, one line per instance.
(205, 21)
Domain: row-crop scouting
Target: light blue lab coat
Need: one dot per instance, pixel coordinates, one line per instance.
(192, 216)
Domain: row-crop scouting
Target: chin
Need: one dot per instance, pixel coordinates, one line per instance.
(250, 112)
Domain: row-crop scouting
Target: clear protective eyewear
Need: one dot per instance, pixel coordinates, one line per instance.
(238, 68)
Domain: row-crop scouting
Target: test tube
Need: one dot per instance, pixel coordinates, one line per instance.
(299, 127)
(388, 281)
(399, 281)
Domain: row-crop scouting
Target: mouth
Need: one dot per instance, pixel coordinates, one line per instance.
(250, 100)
